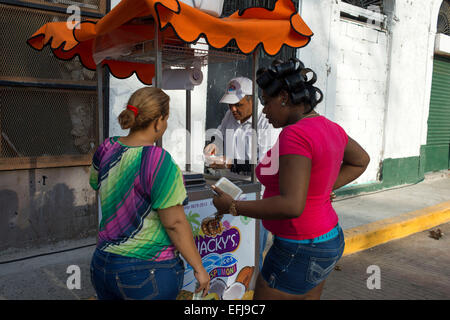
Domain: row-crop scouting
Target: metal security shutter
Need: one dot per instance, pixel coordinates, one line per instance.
(438, 139)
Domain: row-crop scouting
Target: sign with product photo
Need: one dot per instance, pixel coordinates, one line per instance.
(227, 248)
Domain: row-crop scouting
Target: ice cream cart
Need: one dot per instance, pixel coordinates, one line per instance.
(149, 37)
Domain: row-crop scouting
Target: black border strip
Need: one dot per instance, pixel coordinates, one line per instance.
(45, 7)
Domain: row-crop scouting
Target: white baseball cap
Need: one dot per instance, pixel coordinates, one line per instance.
(237, 89)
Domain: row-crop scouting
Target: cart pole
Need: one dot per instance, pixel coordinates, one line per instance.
(188, 130)
(100, 110)
(158, 64)
(100, 130)
(255, 65)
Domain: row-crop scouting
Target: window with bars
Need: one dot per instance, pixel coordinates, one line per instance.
(366, 4)
(88, 6)
(370, 12)
(48, 107)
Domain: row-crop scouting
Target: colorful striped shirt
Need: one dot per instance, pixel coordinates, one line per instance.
(134, 182)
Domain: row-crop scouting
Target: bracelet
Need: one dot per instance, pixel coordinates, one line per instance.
(233, 210)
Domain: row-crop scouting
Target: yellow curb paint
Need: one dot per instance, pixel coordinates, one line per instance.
(375, 233)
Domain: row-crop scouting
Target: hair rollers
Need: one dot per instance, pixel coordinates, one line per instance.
(291, 76)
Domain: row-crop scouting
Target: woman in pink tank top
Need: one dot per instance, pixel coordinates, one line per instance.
(312, 157)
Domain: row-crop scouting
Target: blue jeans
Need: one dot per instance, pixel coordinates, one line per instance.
(117, 277)
(262, 243)
(296, 268)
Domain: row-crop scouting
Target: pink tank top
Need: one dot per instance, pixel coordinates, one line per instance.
(322, 141)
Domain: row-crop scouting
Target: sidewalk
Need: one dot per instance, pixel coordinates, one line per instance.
(372, 219)
(368, 220)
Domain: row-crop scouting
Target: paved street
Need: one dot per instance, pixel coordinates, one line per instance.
(415, 267)
(412, 268)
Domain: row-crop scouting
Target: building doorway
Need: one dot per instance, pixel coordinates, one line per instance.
(437, 149)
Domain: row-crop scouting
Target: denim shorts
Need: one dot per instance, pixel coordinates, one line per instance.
(296, 268)
(117, 277)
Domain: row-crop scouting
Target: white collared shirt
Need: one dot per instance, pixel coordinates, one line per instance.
(241, 135)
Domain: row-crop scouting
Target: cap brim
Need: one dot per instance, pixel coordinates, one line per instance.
(230, 99)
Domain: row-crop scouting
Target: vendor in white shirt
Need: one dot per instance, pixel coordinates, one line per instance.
(237, 127)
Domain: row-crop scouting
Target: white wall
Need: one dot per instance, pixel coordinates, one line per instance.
(413, 31)
(321, 53)
(361, 89)
(351, 64)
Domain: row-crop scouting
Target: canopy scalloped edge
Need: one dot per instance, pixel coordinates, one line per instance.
(250, 28)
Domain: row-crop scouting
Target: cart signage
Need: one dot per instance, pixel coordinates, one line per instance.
(227, 249)
(228, 241)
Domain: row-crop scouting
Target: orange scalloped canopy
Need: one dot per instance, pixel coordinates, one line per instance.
(250, 28)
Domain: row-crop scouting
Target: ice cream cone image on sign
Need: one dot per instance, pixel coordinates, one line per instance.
(212, 226)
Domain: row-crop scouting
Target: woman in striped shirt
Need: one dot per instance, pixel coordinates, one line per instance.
(143, 227)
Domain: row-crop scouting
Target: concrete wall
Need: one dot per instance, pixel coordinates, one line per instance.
(377, 79)
(361, 88)
(43, 206)
(350, 59)
(321, 53)
(410, 75)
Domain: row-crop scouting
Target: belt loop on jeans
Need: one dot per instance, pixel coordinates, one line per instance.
(325, 237)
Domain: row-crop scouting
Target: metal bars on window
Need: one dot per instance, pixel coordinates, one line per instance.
(366, 4)
(91, 8)
(48, 107)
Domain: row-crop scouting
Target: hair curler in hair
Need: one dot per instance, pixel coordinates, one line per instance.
(284, 69)
(320, 93)
(264, 79)
(298, 64)
(298, 97)
(274, 87)
(304, 73)
(260, 71)
(295, 82)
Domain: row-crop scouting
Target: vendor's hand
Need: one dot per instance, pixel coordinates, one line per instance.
(217, 162)
(210, 150)
(218, 165)
(222, 201)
